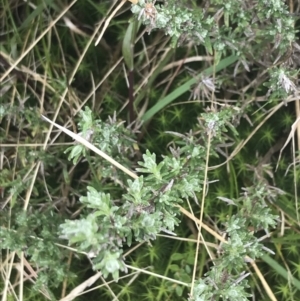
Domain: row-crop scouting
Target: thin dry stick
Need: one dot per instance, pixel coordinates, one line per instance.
(203, 225)
(108, 287)
(186, 61)
(21, 285)
(6, 283)
(156, 275)
(209, 244)
(29, 191)
(81, 287)
(108, 21)
(28, 194)
(201, 215)
(263, 281)
(32, 145)
(93, 148)
(201, 236)
(297, 105)
(109, 282)
(133, 249)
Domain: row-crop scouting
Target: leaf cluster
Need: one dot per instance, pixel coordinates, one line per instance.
(226, 279)
(185, 21)
(35, 235)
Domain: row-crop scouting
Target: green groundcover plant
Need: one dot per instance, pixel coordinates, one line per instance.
(150, 206)
(65, 209)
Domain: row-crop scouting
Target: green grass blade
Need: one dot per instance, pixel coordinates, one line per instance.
(281, 270)
(186, 87)
(38, 11)
(128, 43)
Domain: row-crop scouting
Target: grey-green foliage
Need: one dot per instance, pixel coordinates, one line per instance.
(35, 235)
(226, 279)
(205, 289)
(147, 208)
(110, 136)
(149, 204)
(177, 19)
(230, 24)
(281, 82)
